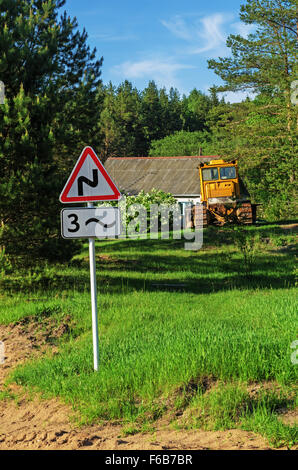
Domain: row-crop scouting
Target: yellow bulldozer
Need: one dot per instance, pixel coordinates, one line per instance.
(224, 198)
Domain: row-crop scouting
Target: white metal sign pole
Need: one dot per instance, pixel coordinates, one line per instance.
(93, 298)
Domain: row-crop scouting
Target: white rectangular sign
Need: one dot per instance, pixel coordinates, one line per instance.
(90, 222)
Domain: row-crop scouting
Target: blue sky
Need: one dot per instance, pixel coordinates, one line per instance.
(168, 41)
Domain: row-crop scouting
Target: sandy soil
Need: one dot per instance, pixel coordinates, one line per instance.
(33, 423)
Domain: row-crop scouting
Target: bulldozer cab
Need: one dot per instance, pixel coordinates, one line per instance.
(219, 182)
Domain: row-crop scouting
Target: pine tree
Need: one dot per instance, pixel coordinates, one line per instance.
(267, 60)
(50, 78)
(196, 108)
(262, 133)
(151, 114)
(170, 111)
(120, 122)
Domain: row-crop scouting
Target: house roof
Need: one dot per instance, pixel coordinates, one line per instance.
(176, 175)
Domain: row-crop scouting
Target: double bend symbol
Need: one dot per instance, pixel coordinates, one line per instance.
(98, 221)
(92, 183)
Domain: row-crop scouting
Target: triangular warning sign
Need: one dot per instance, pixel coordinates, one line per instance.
(89, 181)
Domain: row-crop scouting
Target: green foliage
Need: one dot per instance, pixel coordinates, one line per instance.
(256, 134)
(146, 200)
(182, 143)
(131, 122)
(5, 263)
(130, 119)
(196, 107)
(246, 243)
(120, 121)
(266, 60)
(50, 78)
(262, 133)
(155, 196)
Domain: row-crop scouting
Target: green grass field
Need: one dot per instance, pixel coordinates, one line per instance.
(180, 331)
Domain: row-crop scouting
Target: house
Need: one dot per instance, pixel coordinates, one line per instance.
(176, 175)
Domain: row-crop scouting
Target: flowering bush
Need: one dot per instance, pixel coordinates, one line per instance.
(142, 204)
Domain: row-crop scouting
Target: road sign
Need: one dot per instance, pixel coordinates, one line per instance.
(90, 222)
(89, 181)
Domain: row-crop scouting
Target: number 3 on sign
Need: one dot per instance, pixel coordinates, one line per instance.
(74, 222)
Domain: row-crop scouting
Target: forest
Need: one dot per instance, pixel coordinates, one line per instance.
(56, 103)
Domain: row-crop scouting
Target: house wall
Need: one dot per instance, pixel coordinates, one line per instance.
(188, 199)
(187, 202)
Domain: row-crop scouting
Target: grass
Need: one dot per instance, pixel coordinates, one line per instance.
(229, 320)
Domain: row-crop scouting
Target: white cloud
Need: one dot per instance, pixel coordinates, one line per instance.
(211, 33)
(200, 35)
(236, 96)
(163, 72)
(206, 34)
(243, 29)
(179, 28)
(231, 96)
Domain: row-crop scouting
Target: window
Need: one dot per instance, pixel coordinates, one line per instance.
(228, 173)
(210, 174)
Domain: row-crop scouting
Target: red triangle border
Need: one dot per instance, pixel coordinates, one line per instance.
(63, 196)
